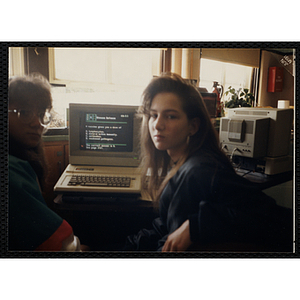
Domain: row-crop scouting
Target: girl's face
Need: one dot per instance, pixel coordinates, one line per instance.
(29, 135)
(169, 126)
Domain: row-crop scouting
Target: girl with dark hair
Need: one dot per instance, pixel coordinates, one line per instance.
(31, 224)
(203, 203)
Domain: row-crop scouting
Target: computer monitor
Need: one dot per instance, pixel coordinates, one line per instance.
(259, 136)
(104, 135)
(251, 131)
(247, 137)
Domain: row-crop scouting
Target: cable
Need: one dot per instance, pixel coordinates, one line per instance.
(232, 153)
(247, 173)
(236, 166)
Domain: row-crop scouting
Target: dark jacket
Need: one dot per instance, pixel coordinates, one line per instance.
(226, 211)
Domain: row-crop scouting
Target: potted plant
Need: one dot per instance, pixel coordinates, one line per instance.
(238, 98)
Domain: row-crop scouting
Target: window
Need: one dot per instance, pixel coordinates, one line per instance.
(16, 61)
(99, 75)
(227, 74)
(119, 75)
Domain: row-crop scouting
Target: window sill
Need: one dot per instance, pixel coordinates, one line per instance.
(56, 134)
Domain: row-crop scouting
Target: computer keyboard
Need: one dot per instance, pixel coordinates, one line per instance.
(100, 180)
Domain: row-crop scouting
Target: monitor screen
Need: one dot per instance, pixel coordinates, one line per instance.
(103, 134)
(106, 131)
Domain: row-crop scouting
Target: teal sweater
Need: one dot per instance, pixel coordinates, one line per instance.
(31, 222)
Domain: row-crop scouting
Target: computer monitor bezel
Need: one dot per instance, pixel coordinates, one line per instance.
(77, 156)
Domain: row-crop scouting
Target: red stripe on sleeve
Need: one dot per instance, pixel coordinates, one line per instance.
(54, 242)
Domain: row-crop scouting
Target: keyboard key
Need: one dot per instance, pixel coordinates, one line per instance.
(94, 184)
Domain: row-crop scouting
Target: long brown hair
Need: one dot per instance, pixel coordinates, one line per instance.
(33, 90)
(155, 163)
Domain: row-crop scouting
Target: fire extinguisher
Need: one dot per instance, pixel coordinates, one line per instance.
(218, 89)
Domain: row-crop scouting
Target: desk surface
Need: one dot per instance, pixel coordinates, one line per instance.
(99, 203)
(116, 203)
(265, 181)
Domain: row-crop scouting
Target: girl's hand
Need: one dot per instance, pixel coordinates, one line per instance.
(179, 240)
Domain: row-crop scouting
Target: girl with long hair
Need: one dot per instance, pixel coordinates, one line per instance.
(203, 203)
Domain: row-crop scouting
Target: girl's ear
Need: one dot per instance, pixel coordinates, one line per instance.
(194, 126)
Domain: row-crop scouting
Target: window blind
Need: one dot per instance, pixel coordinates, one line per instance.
(246, 57)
